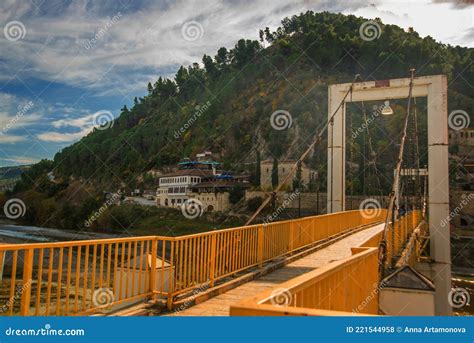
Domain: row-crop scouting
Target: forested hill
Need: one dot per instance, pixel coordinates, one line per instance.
(224, 104)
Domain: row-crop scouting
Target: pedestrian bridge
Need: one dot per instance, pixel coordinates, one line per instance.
(306, 266)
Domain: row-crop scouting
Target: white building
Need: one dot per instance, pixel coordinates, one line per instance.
(174, 189)
(284, 168)
(462, 137)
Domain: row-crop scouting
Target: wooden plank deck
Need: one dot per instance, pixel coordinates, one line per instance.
(219, 305)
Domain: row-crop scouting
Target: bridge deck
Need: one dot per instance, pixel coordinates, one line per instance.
(219, 305)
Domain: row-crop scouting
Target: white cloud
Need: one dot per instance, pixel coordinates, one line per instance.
(60, 137)
(60, 44)
(147, 41)
(85, 125)
(443, 21)
(10, 139)
(75, 122)
(16, 112)
(20, 160)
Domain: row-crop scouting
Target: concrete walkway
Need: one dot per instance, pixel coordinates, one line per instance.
(219, 305)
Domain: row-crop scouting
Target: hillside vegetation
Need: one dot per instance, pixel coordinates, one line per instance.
(224, 105)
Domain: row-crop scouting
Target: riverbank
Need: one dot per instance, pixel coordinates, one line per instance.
(10, 233)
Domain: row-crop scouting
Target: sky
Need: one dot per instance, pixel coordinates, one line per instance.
(66, 66)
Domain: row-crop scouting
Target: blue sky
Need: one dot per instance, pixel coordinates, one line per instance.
(62, 62)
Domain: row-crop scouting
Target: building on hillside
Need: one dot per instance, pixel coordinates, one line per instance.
(463, 140)
(201, 179)
(214, 193)
(284, 168)
(173, 188)
(206, 156)
(462, 137)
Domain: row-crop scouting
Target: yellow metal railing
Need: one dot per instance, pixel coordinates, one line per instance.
(77, 277)
(414, 244)
(339, 288)
(82, 277)
(399, 234)
(346, 287)
(210, 256)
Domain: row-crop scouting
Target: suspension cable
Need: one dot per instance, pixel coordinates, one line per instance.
(390, 218)
(351, 156)
(318, 138)
(373, 155)
(418, 185)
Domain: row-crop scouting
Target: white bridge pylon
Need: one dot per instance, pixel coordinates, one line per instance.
(435, 89)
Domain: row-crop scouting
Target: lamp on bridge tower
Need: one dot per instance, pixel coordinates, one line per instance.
(387, 110)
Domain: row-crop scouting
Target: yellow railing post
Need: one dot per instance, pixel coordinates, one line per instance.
(260, 241)
(2, 263)
(291, 237)
(172, 277)
(154, 252)
(212, 265)
(26, 284)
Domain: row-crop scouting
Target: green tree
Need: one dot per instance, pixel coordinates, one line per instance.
(275, 173)
(235, 194)
(222, 57)
(258, 171)
(297, 180)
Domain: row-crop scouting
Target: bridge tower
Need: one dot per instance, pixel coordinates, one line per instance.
(435, 89)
